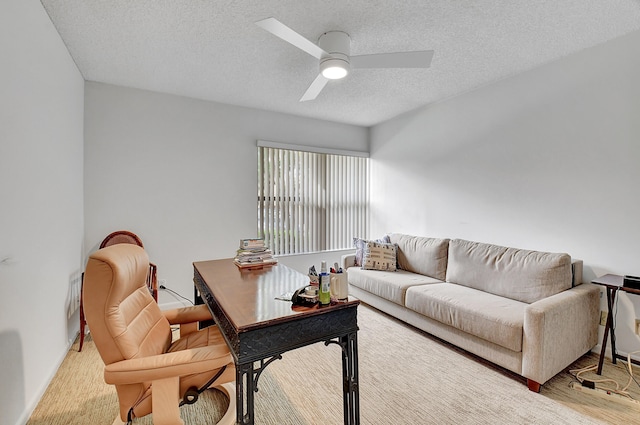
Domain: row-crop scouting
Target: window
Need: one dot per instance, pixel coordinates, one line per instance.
(311, 201)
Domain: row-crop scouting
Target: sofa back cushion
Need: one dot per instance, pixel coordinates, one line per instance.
(426, 256)
(521, 275)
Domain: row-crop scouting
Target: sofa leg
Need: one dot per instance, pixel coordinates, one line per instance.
(533, 385)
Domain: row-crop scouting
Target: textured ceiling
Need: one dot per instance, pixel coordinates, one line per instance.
(212, 50)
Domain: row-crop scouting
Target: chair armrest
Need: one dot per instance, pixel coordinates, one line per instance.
(162, 366)
(348, 260)
(191, 314)
(558, 330)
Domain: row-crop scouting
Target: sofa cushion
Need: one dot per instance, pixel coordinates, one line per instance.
(493, 318)
(427, 256)
(388, 285)
(521, 275)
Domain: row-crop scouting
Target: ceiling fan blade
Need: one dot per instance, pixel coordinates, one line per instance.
(419, 59)
(315, 88)
(279, 29)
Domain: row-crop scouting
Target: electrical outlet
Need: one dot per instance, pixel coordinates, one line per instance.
(603, 318)
(162, 282)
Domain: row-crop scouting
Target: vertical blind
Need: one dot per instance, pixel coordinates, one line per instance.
(311, 201)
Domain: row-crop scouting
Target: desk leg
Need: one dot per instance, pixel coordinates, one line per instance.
(247, 377)
(350, 391)
(244, 394)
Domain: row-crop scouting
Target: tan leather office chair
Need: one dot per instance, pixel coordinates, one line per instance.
(121, 236)
(133, 336)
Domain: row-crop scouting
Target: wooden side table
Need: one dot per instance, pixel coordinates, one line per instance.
(613, 284)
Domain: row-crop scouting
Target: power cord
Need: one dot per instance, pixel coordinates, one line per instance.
(591, 383)
(164, 288)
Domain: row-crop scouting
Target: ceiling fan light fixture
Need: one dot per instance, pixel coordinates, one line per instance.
(334, 69)
(334, 53)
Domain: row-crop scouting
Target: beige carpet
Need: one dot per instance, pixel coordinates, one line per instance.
(406, 377)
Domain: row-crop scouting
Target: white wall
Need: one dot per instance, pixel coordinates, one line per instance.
(41, 214)
(546, 160)
(182, 173)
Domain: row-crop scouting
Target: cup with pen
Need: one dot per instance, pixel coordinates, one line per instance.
(339, 283)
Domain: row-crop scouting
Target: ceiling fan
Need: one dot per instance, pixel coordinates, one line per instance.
(333, 51)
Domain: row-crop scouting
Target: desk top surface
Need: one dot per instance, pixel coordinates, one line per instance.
(248, 296)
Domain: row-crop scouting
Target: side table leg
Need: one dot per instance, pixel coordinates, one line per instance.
(608, 327)
(604, 347)
(350, 390)
(610, 302)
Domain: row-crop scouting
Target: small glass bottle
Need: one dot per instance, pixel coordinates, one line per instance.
(324, 291)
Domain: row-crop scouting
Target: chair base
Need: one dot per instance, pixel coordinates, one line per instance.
(229, 417)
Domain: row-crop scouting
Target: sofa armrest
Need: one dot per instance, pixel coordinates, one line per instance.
(168, 365)
(348, 260)
(558, 330)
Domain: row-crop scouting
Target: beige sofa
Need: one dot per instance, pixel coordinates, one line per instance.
(526, 311)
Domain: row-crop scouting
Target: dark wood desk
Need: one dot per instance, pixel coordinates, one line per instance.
(259, 329)
(613, 284)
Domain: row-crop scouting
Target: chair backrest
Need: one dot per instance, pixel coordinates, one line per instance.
(124, 319)
(125, 236)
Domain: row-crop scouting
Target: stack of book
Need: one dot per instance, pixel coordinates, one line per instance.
(253, 253)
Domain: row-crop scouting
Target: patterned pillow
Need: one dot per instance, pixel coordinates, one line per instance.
(359, 244)
(379, 256)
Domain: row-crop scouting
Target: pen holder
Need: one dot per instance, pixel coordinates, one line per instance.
(339, 286)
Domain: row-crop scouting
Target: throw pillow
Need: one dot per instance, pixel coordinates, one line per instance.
(359, 244)
(379, 256)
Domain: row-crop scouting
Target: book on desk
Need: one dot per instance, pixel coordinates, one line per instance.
(253, 253)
